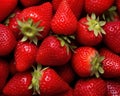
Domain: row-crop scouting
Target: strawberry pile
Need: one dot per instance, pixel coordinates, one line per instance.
(59, 47)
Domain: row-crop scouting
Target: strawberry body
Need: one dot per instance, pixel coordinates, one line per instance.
(110, 64)
(64, 21)
(18, 85)
(4, 71)
(7, 40)
(6, 7)
(51, 52)
(90, 87)
(97, 6)
(25, 55)
(112, 36)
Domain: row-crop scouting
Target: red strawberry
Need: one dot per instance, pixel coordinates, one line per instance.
(7, 40)
(75, 5)
(113, 88)
(53, 51)
(87, 62)
(25, 55)
(18, 85)
(47, 82)
(110, 64)
(64, 21)
(4, 71)
(34, 22)
(29, 3)
(112, 36)
(6, 7)
(90, 87)
(90, 30)
(97, 6)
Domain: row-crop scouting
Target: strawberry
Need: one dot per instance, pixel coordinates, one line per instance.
(7, 40)
(53, 51)
(4, 72)
(64, 21)
(97, 6)
(113, 88)
(90, 30)
(18, 85)
(112, 36)
(86, 61)
(110, 64)
(90, 87)
(6, 7)
(34, 22)
(25, 55)
(29, 3)
(75, 5)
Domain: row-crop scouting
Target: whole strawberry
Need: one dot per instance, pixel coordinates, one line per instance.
(18, 85)
(90, 87)
(53, 51)
(34, 22)
(4, 72)
(25, 55)
(112, 36)
(64, 21)
(97, 6)
(7, 40)
(86, 62)
(6, 7)
(110, 64)
(90, 30)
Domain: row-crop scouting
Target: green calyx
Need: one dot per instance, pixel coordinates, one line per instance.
(30, 30)
(94, 24)
(96, 67)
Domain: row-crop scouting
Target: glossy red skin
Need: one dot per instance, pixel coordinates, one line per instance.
(29, 3)
(113, 88)
(51, 53)
(7, 40)
(75, 5)
(6, 7)
(41, 13)
(4, 72)
(90, 87)
(25, 54)
(111, 63)
(86, 37)
(51, 83)
(97, 6)
(18, 85)
(81, 60)
(64, 21)
(112, 37)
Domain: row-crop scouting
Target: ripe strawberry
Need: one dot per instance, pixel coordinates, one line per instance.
(6, 7)
(25, 55)
(112, 36)
(34, 22)
(90, 31)
(53, 51)
(18, 85)
(90, 87)
(4, 71)
(29, 3)
(64, 21)
(110, 64)
(75, 5)
(113, 88)
(47, 82)
(97, 6)
(7, 40)
(86, 61)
